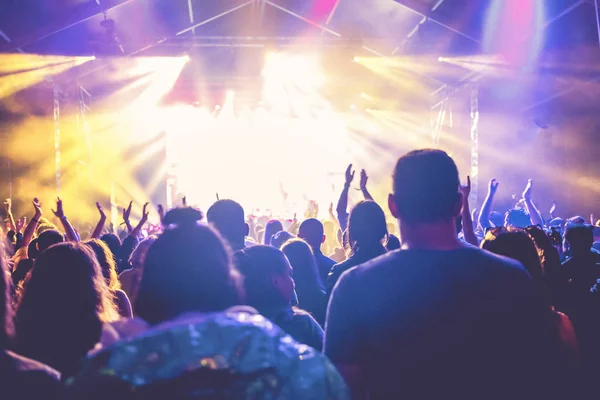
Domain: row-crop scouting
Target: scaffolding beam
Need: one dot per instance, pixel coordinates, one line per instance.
(53, 29)
(426, 18)
(478, 74)
(474, 147)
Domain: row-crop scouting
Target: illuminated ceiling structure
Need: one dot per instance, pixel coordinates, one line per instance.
(382, 28)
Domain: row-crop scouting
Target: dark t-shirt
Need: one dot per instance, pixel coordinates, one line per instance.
(23, 378)
(324, 265)
(439, 324)
(299, 325)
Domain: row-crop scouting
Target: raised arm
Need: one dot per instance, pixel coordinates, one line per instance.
(9, 217)
(138, 229)
(32, 225)
(363, 185)
(342, 205)
(534, 214)
(553, 210)
(100, 225)
(486, 208)
(60, 214)
(21, 222)
(467, 222)
(332, 216)
(293, 228)
(126, 214)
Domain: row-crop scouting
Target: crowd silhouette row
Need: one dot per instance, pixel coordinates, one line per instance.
(445, 303)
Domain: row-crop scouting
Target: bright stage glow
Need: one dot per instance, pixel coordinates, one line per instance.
(250, 160)
(300, 69)
(20, 71)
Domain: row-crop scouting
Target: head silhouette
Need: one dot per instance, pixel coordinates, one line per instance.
(302, 259)
(280, 238)
(64, 302)
(312, 231)
(138, 256)
(187, 269)
(393, 243)
(425, 188)
(517, 218)
(579, 238)
(114, 244)
(267, 277)
(274, 226)
(227, 217)
(515, 243)
(107, 262)
(366, 226)
(49, 238)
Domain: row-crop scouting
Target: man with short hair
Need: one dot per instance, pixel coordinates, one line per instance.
(312, 231)
(436, 319)
(227, 216)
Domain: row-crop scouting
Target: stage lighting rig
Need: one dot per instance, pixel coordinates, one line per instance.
(113, 43)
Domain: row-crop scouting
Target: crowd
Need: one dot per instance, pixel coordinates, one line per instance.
(447, 303)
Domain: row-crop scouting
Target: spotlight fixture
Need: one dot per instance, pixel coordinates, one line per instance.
(113, 44)
(356, 59)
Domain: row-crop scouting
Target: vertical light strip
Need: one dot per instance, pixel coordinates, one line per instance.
(474, 146)
(57, 138)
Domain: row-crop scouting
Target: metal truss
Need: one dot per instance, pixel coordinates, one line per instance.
(427, 18)
(50, 30)
(476, 75)
(572, 88)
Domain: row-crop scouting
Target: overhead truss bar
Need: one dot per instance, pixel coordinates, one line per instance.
(478, 74)
(208, 20)
(191, 14)
(8, 40)
(48, 31)
(426, 18)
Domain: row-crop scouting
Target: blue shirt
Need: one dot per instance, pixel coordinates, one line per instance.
(439, 324)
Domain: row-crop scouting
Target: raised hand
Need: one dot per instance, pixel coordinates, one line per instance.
(527, 191)
(127, 212)
(38, 208)
(330, 208)
(21, 223)
(494, 185)
(363, 179)
(8, 206)
(101, 211)
(553, 208)
(145, 214)
(349, 175)
(59, 213)
(184, 201)
(465, 189)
